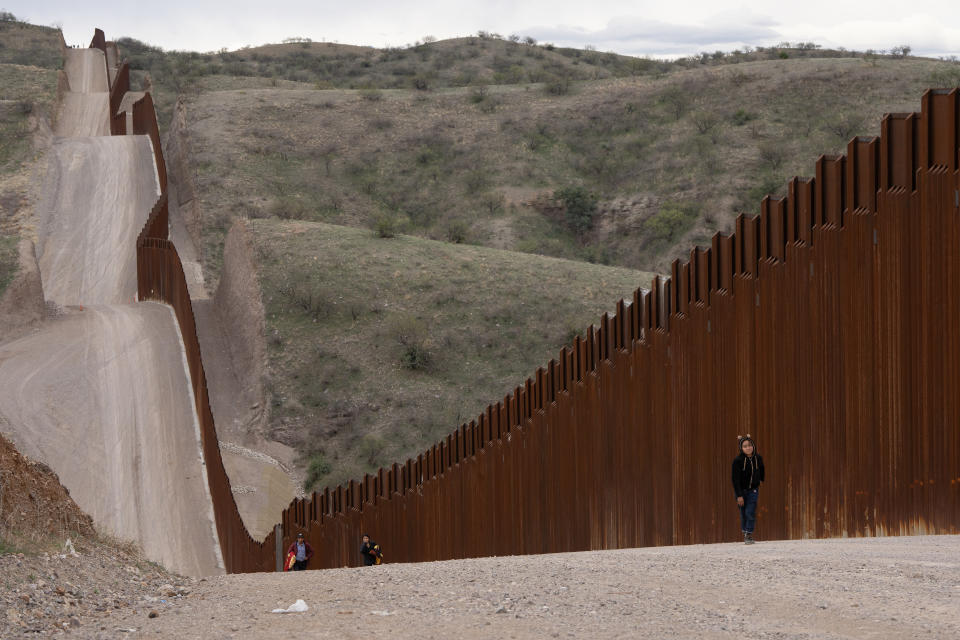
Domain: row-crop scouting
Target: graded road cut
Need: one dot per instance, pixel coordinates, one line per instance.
(101, 397)
(101, 392)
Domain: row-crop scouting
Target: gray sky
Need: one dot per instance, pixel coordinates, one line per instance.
(639, 27)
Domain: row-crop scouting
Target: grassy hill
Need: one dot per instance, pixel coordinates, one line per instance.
(29, 59)
(669, 160)
(27, 44)
(379, 346)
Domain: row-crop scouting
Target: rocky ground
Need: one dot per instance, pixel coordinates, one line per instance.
(905, 587)
(49, 585)
(54, 592)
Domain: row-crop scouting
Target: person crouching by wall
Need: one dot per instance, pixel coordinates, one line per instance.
(747, 475)
(301, 552)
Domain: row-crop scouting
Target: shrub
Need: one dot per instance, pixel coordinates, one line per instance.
(705, 121)
(386, 225)
(676, 101)
(479, 94)
(558, 85)
(317, 469)
(457, 232)
(580, 206)
(371, 95)
(772, 154)
(291, 208)
(673, 219)
(741, 117)
(370, 450)
(493, 203)
(844, 125)
(489, 105)
(415, 356)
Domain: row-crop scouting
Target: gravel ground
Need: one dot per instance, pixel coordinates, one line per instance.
(76, 588)
(846, 588)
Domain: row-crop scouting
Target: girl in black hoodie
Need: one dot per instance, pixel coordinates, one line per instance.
(747, 476)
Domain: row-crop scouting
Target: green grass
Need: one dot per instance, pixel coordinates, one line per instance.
(7, 547)
(24, 91)
(9, 261)
(379, 346)
(30, 45)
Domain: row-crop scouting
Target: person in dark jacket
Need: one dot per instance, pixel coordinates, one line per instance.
(747, 475)
(369, 550)
(302, 552)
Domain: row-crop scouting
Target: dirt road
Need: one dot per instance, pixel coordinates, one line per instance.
(101, 396)
(843, 588)
(98, 195)
(101, 393)
(86, 106)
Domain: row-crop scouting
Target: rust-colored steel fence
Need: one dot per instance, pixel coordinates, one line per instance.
(145, 123)
(120, 86)
(99, 41)
(826, 327)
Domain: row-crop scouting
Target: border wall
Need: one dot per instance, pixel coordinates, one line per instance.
(826, 327)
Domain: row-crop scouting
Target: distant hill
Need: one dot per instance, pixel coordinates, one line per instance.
(29, 44)
(667, 160)
(29, 59)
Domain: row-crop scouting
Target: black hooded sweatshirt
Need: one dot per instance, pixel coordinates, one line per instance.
(746, 473)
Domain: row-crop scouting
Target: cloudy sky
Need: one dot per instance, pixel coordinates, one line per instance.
(639, 27)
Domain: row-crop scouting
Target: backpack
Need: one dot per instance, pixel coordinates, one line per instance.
(379, 558)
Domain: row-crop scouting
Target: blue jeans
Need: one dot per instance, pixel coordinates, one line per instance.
(748, 512)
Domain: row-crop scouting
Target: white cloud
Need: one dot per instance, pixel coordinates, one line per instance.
(638, 27)
(635, 35)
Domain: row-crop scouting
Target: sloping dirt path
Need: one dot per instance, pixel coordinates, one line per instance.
(100, 396)
(100, 192)
(101, 393)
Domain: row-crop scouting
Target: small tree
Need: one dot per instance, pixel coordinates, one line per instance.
(580, 207)
(676, 100)
(901, 51)
(671, 221)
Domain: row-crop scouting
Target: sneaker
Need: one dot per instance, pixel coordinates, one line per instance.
(748, 538)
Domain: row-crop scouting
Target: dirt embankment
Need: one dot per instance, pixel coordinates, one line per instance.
(231, 331)
(21, 305)
(182, 188)
(32, 500)
(239, 311)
